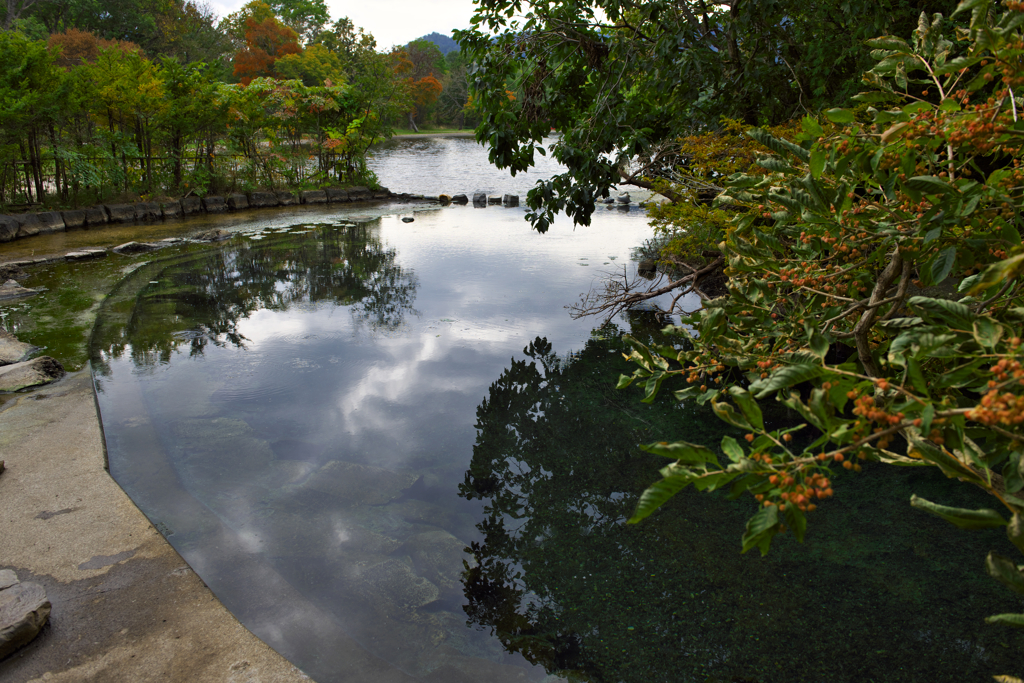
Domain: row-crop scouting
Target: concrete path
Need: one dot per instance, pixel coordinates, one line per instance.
(126, 607)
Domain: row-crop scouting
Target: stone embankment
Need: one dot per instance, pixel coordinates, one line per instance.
(17, 226)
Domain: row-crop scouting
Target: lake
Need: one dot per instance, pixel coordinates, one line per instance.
(394, 456)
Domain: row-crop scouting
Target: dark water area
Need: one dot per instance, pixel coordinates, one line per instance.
(389, 450)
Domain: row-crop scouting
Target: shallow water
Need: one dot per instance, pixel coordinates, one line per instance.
(392, 454)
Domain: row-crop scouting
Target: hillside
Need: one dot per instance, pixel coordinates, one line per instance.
(443, 42)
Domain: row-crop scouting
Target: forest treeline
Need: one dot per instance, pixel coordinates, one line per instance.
(162, 97)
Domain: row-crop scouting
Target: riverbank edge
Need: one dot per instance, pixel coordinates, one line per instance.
(125, 606)
(22, 225)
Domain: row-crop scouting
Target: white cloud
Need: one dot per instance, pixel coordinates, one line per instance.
(392, 22)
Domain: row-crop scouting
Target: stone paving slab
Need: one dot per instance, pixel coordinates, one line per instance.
(125, 606)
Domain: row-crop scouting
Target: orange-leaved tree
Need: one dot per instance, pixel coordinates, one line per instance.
(266, 41)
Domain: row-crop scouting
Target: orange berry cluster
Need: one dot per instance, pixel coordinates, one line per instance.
(998, 406)
(814, 486)
(864, 406)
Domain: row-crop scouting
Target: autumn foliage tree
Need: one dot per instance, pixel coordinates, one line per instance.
(266, 41)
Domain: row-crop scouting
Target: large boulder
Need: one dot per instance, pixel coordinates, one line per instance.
(50, 221)
(24, 609)
(460, 199)
(510, 200)
(214, 204)
(73, 220)
(287, 198)
(95, 216)
(191, 205)
(12, 350)
(359, 193)
(313, 197)
(8, 228)
(493, 199)
(147, 211)
(237, 202)
(336, 195)
(260, 200)
(28, 224)
(171, 209)
(479, 199)
(35, 372)
(120, 213)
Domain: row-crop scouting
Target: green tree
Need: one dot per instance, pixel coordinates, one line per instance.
(876, 289)
(621, 80)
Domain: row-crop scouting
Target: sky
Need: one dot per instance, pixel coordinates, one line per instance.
(392, 22)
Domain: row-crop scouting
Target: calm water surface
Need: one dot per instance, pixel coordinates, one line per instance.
(394, 456)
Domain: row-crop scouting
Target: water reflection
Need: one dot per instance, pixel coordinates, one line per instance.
(200, 299)
(876, 593)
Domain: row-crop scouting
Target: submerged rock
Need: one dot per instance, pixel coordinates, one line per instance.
(11, 271)
(214, 235)
(437, 556)
(24, 609)
(31, 373)
(136, 247)
(12, 290)
(12, 350)
(395, 582)
(360, 484)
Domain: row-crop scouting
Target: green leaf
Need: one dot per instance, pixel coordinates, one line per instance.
(930, 184)
(965, 519)
(819, 344)
(998, 273)
(916, 107)
(682, 451)
(727, 413)
(987, 332)
(888, 43)
(817, 164)
(624, 381)
(656, 495)
(949, 104)
(840, 116)
(748, 406)
(761, 528)
(1005, 572)
(1008, 619)
(784, 377)
(732, 449)
(943, 264)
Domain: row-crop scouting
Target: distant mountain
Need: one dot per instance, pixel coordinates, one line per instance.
(443, 42)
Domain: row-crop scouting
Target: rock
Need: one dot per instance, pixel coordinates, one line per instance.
(460, 199)
(214, 204)
(95, 216)
(360, 484)
(215, 235)
(260, 200)
(28, 224)
(7, 578)
(12, 350)
(147, 211)
(50, 222)
(136, 247)
(382, 194)
(287, 198)
(237, 202)
(8, 228)
(313, 197)
(73, 220)
(191, 205)
(444, 199)
(493, 199)
(42, 370)
(395, 581)
(479, 199)
(623, 198)
(359, 193)
(437, 556)
(24, 609)
(407, 219)
(120, 213)
(171, 209)
(12, 290)
(336, 195)
(647, 268)
(84, 254)
(608, 200)
(510, 200)
(11, 271)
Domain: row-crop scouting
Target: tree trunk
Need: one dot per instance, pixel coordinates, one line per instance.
(412, 123)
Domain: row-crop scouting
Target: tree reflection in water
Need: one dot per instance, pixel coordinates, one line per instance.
(876, 592)
(200, 298)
